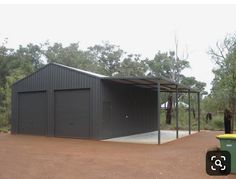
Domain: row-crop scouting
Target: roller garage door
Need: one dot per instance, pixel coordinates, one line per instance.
(72, 113)
(32, 113)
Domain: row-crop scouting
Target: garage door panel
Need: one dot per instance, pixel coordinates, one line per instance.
(72, 113)
(32, 113)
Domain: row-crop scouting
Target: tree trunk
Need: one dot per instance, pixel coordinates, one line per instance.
(169, 110)
(232, 99)
(233, 105)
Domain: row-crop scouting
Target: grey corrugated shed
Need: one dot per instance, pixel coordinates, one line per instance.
(54, 77)
(117, 106)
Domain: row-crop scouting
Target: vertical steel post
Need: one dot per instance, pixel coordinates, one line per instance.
(189, 113)
(198, 115)
(177, 112)
(158, 112)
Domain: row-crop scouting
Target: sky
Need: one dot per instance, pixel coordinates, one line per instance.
(136, 28)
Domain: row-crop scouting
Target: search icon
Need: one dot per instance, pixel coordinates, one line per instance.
(218, 163)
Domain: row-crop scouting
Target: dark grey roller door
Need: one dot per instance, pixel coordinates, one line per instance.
(32, 113)
(72, 113)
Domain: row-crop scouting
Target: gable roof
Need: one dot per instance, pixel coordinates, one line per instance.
(96, 75)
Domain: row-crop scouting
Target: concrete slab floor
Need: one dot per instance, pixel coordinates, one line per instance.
(151, 137)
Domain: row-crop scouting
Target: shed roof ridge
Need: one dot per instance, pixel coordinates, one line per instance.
(80, 70)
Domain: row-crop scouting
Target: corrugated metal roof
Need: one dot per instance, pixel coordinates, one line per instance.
(144, 82)
(151, 82)
(96, 75)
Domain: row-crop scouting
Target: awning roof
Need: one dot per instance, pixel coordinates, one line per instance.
(151, 82)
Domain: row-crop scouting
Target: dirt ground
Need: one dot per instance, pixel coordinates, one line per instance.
(32, 157)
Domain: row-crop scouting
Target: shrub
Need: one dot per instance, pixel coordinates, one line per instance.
(218, 123)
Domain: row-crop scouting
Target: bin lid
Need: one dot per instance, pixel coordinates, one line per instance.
(226, 136)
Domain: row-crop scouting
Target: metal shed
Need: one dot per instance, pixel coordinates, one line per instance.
(62, 101)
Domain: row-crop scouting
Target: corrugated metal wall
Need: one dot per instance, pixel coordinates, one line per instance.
(127, 109)
(54, 77)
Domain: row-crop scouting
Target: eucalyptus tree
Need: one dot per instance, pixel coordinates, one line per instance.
(224, 83)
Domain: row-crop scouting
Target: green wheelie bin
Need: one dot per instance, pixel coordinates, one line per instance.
(228, 142)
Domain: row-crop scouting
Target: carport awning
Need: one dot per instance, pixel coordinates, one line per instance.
(151, 82)
(160, 85)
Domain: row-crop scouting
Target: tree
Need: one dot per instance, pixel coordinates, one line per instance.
(132, 65)
(14, 65)
(108, 58)
(165, 64)
(5, 106)
(170, 66)
(31, 54)
(193, 83)
(209, 104)
(5, 54)
(224, 83)
(70, 55)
